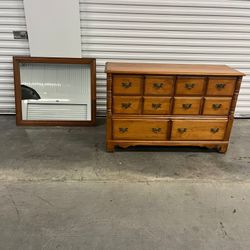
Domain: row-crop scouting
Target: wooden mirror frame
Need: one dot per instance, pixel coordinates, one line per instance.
(17, 60)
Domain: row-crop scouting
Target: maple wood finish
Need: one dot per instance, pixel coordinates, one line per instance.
(187, 105)
(128, 85)
(159, 85)
(127, 105)
(217, 106)
(156, 105)
(170, 104)
(140, 129)
(221, 86)
(209, 130)
(190, 86)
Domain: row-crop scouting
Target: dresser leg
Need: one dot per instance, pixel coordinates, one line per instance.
(110, 147)
(222, 148)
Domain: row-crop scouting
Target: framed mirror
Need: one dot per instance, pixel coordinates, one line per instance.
(55, 91)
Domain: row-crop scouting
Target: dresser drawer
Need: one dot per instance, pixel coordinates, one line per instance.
(161, 85)
(127, 104)
(217, 106)
(156, 105)
(127, 84)
(198, 130)
(187, 105)
(139, 129)
(190, 85)
(221, 86)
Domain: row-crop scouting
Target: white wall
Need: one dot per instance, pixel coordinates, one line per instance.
(53, 27)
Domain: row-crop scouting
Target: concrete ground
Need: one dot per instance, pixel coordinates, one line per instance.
(59, 189)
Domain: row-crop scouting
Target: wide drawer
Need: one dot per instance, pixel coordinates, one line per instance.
(220, 86)
(217, 106)
(160, 85)
(127, 104)
(139, 129)
(190, 85)
(127, 84)
(156, 105)
(187, 105)
(198, 130)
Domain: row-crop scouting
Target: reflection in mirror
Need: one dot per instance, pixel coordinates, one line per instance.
(55, 91)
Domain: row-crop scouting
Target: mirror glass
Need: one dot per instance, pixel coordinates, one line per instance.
(55, 91)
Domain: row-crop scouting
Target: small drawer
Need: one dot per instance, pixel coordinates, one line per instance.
(139, 129)
(127, 85)
(217, 106)
(187, 105)
(161, 85)
(221, 86)
(127, 104)
(156, 105)
(190, 85)
(198, 130)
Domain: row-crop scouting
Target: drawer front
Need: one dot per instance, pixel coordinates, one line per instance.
(139, 129)
(221, 86)
(127, 105)
(187, 105)
(217, 106)
(159, 85)
(156, 105)
(127, 85)
(198, 130)
(190, 85)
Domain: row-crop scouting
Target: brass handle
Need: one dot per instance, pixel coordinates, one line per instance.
(158, 85)
(216, 106)
(220, 86)
(123, 130)
(187, 106)
(189, 85)
(126, 105)
(182, 130)
(214, 130)
(156, 105)
(126, 85)
(156, 130)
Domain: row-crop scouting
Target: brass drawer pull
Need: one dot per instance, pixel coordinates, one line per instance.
(156, 130)
(158, 85)
(216, 106)
(220, 86)
(187, 106)
(156, 105)
(189, 85)
(126, 105)
(123, 130)
(214, 130)
(182, 130)
(126, 85)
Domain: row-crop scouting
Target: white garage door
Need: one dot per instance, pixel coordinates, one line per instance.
(182, 31)
(11, 18)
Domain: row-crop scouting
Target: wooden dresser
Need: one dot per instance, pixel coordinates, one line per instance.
(170, 104)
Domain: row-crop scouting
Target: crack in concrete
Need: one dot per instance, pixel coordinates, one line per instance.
(224, 232)
(44, 200)
(13, 203)
(96, 168)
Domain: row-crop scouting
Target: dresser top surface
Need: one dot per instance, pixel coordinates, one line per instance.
(171, 69)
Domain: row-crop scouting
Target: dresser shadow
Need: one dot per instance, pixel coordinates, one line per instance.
(165, 149)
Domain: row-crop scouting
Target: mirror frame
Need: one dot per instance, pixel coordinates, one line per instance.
(17, 60)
